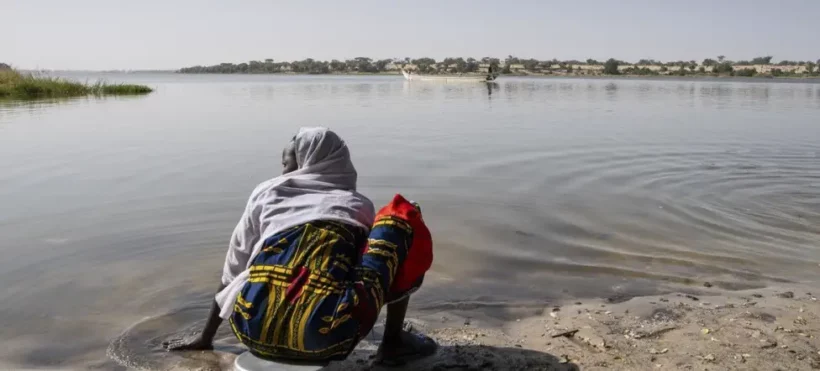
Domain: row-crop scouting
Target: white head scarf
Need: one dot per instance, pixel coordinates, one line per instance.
(323, 187)
(323, 161)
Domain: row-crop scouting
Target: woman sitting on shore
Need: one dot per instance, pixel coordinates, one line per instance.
(308, 269)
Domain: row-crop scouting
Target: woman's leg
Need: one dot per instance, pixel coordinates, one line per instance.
(399, 252)
(394, 323)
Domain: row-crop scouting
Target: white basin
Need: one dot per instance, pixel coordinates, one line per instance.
(248, 362)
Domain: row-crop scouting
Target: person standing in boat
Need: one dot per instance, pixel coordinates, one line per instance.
(309, 266)
(490, 73)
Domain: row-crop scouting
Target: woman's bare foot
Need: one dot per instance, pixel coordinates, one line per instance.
(406, 347)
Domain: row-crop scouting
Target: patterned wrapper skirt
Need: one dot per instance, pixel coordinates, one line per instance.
(315, 290)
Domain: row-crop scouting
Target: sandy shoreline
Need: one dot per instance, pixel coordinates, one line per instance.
(766, 329)
(761, 329)
(775, 328)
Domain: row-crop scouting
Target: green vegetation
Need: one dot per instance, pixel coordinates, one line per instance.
(524, 66)
(746, 72)
(611, 67)
(723, 68)
(16, 85)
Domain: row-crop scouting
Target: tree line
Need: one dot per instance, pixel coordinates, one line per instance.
(511, 64)
(719, 66)
(359, 64)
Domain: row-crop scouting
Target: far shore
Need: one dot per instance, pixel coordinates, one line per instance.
(513, 74)
(535, 75)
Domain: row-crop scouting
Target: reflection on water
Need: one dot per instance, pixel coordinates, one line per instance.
(114, 210)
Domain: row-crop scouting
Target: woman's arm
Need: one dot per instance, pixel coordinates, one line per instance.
(203, 340)
(244, 237)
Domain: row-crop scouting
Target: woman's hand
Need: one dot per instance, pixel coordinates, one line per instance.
(194, 342)
(202, 341)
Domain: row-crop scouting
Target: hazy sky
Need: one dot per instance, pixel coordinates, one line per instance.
(168, 34)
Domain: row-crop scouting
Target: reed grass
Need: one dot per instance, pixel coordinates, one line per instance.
(16, 85)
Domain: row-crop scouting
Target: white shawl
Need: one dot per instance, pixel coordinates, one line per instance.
(322, 188)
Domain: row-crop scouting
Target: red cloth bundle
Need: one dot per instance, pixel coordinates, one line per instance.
(420, 255)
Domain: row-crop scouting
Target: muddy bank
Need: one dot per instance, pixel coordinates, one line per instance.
(766, 329)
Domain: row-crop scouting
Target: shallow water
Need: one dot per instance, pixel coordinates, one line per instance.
(113, 210)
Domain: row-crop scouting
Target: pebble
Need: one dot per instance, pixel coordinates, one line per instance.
(707, 284)
(766, 344)
(757, 296)
(552, 314)
(786, 295)
(578, 303)
(704, 331)
(608, 312)
(709, 357)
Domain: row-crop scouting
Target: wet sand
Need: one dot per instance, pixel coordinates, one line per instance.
(765, 329)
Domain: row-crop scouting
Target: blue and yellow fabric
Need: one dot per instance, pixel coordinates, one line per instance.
(316, 289)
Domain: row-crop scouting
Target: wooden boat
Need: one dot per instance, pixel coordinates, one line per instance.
(450, 78)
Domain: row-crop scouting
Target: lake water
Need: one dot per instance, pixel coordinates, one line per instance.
(536, 190)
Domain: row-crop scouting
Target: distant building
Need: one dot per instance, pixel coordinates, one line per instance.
(587, 67)
(768, 68)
